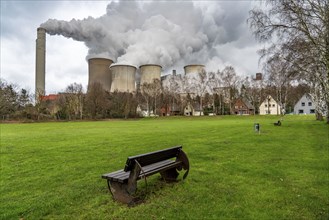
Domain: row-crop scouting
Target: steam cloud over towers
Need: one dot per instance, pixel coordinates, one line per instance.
(170, 34)
(166, 33)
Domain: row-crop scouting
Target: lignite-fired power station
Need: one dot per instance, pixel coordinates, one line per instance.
(112, 76)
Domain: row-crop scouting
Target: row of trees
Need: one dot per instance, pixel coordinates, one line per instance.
(210, 91)
(14, 102)
(220, 89)
(72, 104)
(296, 61)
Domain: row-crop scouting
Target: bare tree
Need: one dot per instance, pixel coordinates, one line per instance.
(96, 100)
(186, 84)
(279, 77)
(156, 91)
(151, 91)
(62, 111)
(301, 30)
(216, 84)
(171, 90)
(230, 81)
(201, 83)
(74, 97)
(146, 91)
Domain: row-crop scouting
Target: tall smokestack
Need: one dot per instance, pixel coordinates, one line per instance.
(40, 62)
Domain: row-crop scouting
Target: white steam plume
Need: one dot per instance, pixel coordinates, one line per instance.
(164, 33)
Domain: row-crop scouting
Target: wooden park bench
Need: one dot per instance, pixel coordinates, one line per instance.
(123, 183)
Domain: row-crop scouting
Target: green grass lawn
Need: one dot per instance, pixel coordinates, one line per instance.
(53, 170)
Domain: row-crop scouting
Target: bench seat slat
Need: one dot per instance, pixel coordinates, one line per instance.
(122, 176)
(163, 168)
(115, 173)
(118, 177)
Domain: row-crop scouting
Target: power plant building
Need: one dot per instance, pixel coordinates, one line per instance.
(112, 77)
(149, 73)
(40, 62)
(99, 72)
(123, 78)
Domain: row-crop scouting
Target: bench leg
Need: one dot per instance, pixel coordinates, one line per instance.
(186, 165)
(169, 175)
(119, 192)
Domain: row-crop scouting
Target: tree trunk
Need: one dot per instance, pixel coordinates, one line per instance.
(155, 106)
(327, 112)
(201, 109)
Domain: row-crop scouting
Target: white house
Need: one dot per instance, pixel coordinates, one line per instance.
(143, 112)
(305, 105)
(188, 110)
(270, 107)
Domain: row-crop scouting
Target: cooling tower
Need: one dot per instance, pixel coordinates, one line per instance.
(193, 68)
(40, 62)
(149, 72)
(99, 71)
(123, 78)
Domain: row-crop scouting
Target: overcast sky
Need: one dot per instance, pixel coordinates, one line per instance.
(215, 33)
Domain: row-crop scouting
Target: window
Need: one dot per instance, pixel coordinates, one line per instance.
(303, 103)
(309, 103)
(300, 111)
(273, 105)
(312, 111)
(265, 105)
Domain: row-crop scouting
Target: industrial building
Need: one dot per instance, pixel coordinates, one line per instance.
(99, 72)
(123, 78)
(112, 76)
(193, 68)
(40, 62)
(149, 72)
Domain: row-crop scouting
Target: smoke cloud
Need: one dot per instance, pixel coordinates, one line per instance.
(164, 33)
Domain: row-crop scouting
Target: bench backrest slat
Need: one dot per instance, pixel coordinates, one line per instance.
(153, 157)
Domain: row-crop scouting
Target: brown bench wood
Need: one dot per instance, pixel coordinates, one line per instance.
(123, 183)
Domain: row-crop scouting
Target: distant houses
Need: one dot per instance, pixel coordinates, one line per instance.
(188, 110)
(240, 106)
(305, 105)
(270, 107)
(243, 107)
(193, 110)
